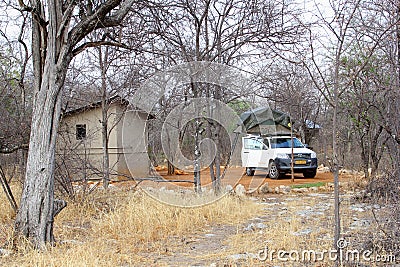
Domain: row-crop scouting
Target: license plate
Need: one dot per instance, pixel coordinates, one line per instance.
(300, 162)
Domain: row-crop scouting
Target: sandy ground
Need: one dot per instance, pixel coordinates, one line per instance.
(292, 222)
(233, 177)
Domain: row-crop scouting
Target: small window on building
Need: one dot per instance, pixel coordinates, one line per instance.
(80, 131)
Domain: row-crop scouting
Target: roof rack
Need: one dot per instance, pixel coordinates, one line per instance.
(276, 134)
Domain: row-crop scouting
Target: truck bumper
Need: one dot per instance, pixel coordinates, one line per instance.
(284, 165)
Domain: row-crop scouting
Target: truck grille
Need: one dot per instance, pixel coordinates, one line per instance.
(301, 156)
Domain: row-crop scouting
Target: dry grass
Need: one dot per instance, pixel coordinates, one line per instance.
(7, 214)
(280, 234)
(120, 228)
(125, 228)
(283, 231)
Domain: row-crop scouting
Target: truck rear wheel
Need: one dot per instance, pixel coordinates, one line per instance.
(250, 171)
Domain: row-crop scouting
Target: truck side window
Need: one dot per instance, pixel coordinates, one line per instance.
(255, 144)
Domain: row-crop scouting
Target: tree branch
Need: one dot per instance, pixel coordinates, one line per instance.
(66, 17)
(99, 20)
(84, 46)
(9, 150)
(24, 7)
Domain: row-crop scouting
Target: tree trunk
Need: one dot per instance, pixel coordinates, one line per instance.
(209, 136)
(171, 167)
(374, 150)
(217, 162)
(215, 166)
(53, 47)
(212, 173)
(336, 176)
(36, 213)
(365, 159)
(197, 155)
(397, 94)
(335, 148)
(170, 159)
(104, 120)
(37, 209)
(197, 137)
(104, 131)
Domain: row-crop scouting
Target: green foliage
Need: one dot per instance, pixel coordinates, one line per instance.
(308, 185)
(239, 106)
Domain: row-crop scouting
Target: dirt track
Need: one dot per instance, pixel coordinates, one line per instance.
(236, 175)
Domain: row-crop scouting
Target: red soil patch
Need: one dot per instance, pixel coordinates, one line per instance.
(234, 176)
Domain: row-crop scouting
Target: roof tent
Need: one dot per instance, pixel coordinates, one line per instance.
(265, 121)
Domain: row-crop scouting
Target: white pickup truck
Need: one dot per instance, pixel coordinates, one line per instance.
(274, 154)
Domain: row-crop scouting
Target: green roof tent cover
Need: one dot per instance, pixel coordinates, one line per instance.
(265, 121)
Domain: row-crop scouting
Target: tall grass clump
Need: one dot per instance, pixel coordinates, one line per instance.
(117, 228)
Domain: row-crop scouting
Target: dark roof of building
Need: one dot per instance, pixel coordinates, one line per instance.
(97, 104)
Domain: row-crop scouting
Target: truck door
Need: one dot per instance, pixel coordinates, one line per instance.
(253, 149)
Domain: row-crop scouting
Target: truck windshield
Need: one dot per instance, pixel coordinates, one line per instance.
(285, 143)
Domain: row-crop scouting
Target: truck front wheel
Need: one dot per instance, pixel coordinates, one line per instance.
(273, 171)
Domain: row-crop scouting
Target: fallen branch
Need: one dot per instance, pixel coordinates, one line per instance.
(161, 180)
(7, 190)
(152, 179)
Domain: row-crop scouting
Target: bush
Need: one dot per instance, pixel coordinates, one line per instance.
(385, 192)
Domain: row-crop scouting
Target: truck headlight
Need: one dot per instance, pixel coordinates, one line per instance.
(313, 155)
(282, 156)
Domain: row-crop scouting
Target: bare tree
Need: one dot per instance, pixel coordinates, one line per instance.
(105, 59)
(227, 32)
(347, 28)
(15, 107)
(340, 28)
(58, 32)
(289, 88)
